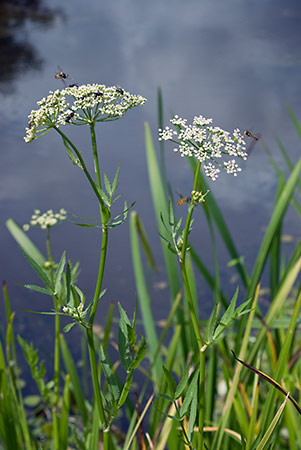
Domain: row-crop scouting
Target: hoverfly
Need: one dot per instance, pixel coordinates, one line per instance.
(184, 200)
(255, 139)
(61, 75)
(119, 90)
(251, 135)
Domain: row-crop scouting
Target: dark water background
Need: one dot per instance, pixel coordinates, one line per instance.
(237, 62)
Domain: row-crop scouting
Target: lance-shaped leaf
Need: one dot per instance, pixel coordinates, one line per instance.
(37, 268)
(59, 272)
(110, 376)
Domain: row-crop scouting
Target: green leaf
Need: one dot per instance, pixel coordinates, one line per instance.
(170, 381)
(115, 181)
(40, 272)
(229, 313)
(126, 389)
(183, 383)
(24, 242)
(68, 282)
(59, 272)
(132, 336)
(32, 400)
(212, 323)
(107, 184)
(264, 443)
(140, 354)
(192, 416)
(68, 327)
(70, 154)
(38, 289)
(108, 373)
(123, 314)
(123, 345)
(191, 392)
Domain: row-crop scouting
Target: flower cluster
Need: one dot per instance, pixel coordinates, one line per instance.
(45, 220)
(206, 143)
(77, 312)
(80, 105)
(198, 197)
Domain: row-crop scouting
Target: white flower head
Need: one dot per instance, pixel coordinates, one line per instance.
(80, 105)
(46, 220)
(206, 143)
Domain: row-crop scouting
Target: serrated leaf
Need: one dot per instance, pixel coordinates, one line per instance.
(229, 313)
(110, 376)
(183, 383)
(192, 417)
(107, 184)
(123, 345)
(59, 272)
(191, 392)
(38, 289)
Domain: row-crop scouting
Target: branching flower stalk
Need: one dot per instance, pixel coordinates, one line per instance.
(85, 105)
(208, 145)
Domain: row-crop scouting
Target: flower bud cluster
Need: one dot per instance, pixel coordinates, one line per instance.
(198, 197)
(45, 220)
(80, 105)
(206, 143)
(75, 311)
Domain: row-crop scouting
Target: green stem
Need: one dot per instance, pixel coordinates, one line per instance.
(193, 315)
(190, 212)
(92, 355)
(56, 352)
(95, 379)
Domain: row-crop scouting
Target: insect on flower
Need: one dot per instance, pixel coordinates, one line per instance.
(119, 90)
(72, 85)
(68, 118)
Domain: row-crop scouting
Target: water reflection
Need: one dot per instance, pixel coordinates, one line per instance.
(17, 54)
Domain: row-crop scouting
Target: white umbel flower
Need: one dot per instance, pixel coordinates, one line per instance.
(206, 143)
(80, 105)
